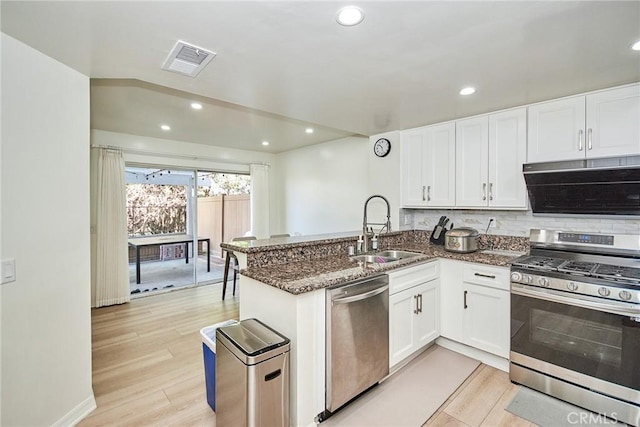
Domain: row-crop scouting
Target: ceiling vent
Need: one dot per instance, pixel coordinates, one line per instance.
(187, 59)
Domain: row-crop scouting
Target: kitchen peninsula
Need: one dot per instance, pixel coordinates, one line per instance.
(283, 282)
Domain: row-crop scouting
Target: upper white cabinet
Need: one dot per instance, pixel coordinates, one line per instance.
(490, 151)
(428, 166)
(601, 124)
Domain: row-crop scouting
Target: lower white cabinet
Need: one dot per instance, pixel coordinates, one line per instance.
(475, 302)
(486, 319)
(414, 313)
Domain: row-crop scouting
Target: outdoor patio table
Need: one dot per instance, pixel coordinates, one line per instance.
(138, 242)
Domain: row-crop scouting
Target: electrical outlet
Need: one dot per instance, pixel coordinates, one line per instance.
(492, 223)
(8, 270)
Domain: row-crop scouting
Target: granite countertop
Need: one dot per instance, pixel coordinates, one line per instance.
(308, 275)
(276, 243)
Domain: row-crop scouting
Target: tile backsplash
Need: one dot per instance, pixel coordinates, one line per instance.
(516, 223)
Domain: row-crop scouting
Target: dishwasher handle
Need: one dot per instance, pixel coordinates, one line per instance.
(360, 297)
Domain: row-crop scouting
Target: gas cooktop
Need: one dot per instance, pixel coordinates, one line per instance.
(595, 265)
(580, 268)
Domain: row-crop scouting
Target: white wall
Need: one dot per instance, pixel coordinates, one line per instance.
(323, 187)
(384, 179)
(46, 325)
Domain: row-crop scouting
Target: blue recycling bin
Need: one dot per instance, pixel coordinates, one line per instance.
(208, 335)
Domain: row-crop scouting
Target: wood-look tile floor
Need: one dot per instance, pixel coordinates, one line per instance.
(148, 366)
(480, 401)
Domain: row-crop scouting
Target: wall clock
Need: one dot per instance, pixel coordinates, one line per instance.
(382, 147)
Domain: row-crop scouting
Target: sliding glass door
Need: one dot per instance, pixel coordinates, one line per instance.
(161, 228)
(176, 220)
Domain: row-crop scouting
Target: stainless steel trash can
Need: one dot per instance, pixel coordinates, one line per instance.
(252, 376)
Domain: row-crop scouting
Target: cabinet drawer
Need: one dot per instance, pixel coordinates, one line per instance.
(486, 275)
(409, 277)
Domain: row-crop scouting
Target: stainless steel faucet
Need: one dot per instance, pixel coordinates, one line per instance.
(367, 235)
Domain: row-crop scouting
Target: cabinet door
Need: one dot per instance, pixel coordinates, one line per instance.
(472, 163)
(486, 319)
(440, 167)
(507, 154)
(427, 320)
(402, 310)
(613, 122)
(413, 186)
(556, 130)
(451, 303)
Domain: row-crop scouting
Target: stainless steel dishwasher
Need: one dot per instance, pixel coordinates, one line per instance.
(357, 353)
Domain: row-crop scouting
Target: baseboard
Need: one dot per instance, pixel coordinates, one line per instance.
(474, 353)
(78, 413)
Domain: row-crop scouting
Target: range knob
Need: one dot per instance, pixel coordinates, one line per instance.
(516, 277)
(527, 278)
(572, 286)
(625, 295)
(604, 292)
(543, 281)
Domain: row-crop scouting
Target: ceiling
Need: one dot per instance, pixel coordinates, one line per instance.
(283, 66)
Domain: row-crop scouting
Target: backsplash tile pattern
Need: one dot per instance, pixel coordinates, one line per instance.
(517, 223)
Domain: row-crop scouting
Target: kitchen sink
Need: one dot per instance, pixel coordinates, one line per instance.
(385, 256)
(380, 259)
(398, 254)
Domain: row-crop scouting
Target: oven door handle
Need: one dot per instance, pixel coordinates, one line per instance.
(622, 309)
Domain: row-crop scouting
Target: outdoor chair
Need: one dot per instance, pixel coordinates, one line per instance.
(236, 268)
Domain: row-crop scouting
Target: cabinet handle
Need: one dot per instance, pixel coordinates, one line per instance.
(415, 311)
(419, 303)
(580, 135)
(488, 276)
(491, 191)
(423, 196)
(590, 139)
(484, 191)
(465, 300)
(428, 193)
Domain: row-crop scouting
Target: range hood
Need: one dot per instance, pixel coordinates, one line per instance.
(600, 187)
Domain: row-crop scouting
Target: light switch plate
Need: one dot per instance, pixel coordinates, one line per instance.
(8, 270)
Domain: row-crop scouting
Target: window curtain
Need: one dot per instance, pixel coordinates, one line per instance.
(260, 201)
(112, 257)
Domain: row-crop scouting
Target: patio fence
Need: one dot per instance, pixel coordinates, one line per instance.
(220, 218)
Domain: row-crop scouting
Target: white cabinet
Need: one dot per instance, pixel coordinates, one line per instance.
(600, 124)
(472, 161)
(490, 152)
(475, 303)
(414, 312)
(428, 166)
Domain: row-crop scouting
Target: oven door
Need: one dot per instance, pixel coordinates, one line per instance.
(595, 337)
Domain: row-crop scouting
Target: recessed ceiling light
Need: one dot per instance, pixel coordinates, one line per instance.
(349, 16)
(165, 127)
(308, 130)
(196, 106)
(265, 142)
(636, 45)
(467, 90)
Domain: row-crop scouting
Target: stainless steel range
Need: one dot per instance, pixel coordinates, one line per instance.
(575, 320)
